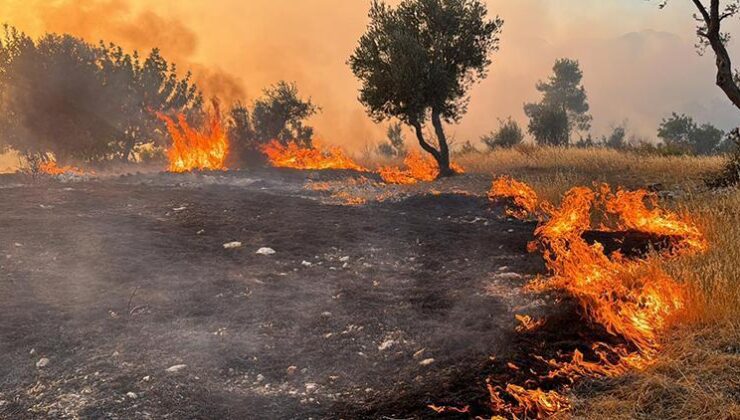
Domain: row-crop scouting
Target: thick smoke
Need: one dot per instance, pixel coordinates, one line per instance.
(638, 67)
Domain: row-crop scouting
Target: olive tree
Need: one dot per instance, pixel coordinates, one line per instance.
(417, 61)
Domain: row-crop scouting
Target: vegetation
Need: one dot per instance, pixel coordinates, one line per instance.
(280, 114)
(563, 108)
(417, 61)
(509, 134)
(681, 132)
(77, 101)
(395, 144)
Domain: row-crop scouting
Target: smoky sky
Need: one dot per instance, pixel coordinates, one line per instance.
(639, 62)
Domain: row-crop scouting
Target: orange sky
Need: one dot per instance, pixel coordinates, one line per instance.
(639, 62)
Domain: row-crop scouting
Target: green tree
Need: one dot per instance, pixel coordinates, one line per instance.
(509, 134)
(417, 61)
(280, 114)
(681, 132)
(395, 144)
(617, 139)
(563, 108)
(63, 96)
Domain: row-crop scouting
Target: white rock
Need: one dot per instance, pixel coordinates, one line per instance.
(311, 386)
(426, 362)
(306, 263)
(43, 362)
(176, 368)
(385, 345)
(232, 245)
(344, 259)
(265, 251)
(131, 395)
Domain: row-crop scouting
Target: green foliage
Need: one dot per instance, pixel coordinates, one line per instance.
(79, 101)
(730, 175)
(419, 60)
(681, 132)
(509, 134)
(563, 107)
(617, 139)
(395, 144)
(280, 113)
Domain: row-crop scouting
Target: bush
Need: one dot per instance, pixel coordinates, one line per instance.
(509, 134)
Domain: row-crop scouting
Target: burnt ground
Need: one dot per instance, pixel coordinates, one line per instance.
(370, 311)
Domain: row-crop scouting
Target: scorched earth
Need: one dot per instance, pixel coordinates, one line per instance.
(120, 300)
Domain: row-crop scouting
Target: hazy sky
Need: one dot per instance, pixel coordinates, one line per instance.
(639, 61)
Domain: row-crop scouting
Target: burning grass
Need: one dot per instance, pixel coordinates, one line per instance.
(632, 300)
(293, 155)
(418, 168)
(51, 168)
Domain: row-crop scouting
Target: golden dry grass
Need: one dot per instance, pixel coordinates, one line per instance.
(698, 373)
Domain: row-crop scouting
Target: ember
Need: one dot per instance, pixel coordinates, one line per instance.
(192, 149)
(292, 155)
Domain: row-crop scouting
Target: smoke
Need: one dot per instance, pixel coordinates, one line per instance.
(639, 62)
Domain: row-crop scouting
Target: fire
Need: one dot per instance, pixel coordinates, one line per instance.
(634, 300)
(51, 168)
(519, 193)
(419, 168)
(193, 149)
(527, 323)
(292, 155)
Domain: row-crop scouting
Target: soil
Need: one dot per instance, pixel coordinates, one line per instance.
(363, 311)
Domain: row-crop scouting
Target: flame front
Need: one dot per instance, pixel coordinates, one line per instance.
(521, 195)
(633, 300)
(419, 168)
(51, 168)
(192, 149)
(292, 155)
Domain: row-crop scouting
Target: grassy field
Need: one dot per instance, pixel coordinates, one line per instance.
(698, 373)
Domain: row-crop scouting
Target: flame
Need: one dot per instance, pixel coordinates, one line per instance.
(633, 300)
(292, 155)
(519, 193)
(418, 168)
(51, 168)
(193, 149)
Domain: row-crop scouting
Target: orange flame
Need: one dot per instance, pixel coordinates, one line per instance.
(193, 149)
(292, 155)
(519, 193)
(633, 300)
(418, 168)
(51, 168)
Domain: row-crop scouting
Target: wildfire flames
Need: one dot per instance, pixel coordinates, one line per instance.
(633, 300)
(521, 195)
(193, 149)
(51, 168)
(418, 168)
(292, 155)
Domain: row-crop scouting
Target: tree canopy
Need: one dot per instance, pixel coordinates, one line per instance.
(563, 107)
(64, 96)
(418, 60)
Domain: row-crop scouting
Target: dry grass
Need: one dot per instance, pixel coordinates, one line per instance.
(698, 373)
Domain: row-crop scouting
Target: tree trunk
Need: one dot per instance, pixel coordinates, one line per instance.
(725, 77)
(422, 142)
(444, 152)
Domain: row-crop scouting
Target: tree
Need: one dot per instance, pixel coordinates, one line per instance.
(680, 132)
(563, 107)
(280, 114)
(63, 96)
(509, 134)
(709, 31)
(416, 62)
(617, 139)
(395, 145)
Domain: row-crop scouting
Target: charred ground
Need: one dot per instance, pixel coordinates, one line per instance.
(114, 281)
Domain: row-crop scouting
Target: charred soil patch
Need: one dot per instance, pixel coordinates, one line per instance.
(364, 311)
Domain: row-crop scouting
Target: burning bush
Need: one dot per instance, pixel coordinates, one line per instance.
(293, 155)
(418, 168)
(193, 149)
